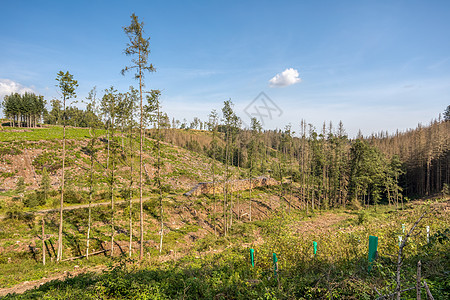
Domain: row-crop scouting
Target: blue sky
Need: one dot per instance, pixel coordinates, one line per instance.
(375, 65)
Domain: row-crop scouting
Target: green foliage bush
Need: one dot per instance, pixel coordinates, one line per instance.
(9, 150)
(7, 174)
(20, 185)
(337, 271)
(36, 198)
(15, 211)
(363, 217)
(73, 197)
(49, 160)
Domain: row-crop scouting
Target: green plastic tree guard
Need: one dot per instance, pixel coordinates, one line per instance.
(315, 247)
(373, 245)
(275, 264)
(252, 257)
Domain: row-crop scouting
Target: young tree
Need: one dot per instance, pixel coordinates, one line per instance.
(109, 110)
(153, 113)
(447, 114)
(213, 123)
(67, 86)
(20, 185)
(45, 183)
(92, 107)
(252, 157)
(128, 109)
(155, 94)
(139, 48)
(231, 121)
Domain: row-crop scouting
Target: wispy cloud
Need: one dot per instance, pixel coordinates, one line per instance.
(286, 78)
(439, 63)
(8, 86)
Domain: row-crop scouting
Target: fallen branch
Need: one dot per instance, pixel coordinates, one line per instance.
(379, 294)
(400, 252)
(393, 294)
(81, 256)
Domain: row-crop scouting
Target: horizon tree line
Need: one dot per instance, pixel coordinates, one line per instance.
(25, 110)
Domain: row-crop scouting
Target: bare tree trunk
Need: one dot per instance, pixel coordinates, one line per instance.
(225, 195)
(250, 191)
(43, 242)
(159, 178)
(131, 192)
(428, 182)
(389, 195)
(112, 205)
(59, 256)
(90, 202)
(239, 192)
(418, 285)
(214, 184)
(141, 209)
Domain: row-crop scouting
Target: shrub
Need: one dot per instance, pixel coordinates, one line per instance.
(37, 198)
(15, 211)
(71, 196)
(9, 151)
(7, 174)
(20, 185)
(363, 217)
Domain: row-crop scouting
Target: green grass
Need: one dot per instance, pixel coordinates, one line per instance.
(29, 269)
(338, 271)
(47, 133)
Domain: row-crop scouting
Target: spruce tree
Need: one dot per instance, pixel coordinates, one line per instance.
(67, 86)
(139, 48)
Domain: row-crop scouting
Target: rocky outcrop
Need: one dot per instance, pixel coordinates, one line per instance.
(233, 185)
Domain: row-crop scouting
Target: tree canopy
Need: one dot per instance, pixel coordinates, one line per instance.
(24, 110)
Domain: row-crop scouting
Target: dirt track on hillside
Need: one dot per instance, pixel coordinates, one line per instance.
(28, 285)
(67, 208)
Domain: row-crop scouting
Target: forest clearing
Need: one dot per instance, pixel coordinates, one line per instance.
(111, 188)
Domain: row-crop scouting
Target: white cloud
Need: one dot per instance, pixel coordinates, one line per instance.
(8, 86)
(285, 78)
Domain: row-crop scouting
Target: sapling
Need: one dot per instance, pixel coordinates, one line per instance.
(400, 253)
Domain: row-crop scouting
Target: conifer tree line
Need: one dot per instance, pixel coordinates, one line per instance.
(324, 167)
(25, 110)
(28, 110)
(425, 152)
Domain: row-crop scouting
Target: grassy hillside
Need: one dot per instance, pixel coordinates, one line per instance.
(197, 260)
(219, 267)
(24, 153)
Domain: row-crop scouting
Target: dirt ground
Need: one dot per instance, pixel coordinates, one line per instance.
(28, 285)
